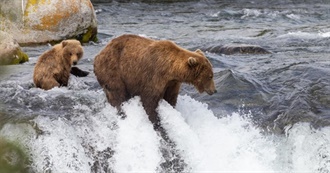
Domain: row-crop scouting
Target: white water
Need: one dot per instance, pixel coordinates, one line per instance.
(306, 35)
(206, 143)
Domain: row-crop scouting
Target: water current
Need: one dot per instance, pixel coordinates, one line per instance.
(271, 112)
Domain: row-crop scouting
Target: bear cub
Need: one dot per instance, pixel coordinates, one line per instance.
(54, 66)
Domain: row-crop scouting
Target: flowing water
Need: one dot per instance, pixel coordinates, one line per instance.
(271, 112)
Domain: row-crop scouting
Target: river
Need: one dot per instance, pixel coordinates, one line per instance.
(271, 112)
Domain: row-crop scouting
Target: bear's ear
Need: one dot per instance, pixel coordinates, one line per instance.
(64, 43)
(192, 62)
(200, 52)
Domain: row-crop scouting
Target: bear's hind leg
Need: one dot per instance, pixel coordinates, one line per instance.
(48, 84)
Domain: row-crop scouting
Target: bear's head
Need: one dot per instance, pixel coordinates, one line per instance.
(72, 50)
(203, 73)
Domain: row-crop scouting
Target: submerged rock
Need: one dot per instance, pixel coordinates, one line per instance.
(12, 157)
(10, 51)
(48, 20)
(230, 49)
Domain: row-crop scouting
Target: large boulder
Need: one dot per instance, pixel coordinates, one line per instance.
(10, 51)
(44, 21)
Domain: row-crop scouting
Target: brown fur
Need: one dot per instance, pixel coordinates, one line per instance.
(53, 67)
(131, 66)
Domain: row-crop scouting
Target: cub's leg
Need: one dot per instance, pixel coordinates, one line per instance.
(48, 84)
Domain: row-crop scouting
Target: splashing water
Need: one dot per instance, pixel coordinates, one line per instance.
(206, 143)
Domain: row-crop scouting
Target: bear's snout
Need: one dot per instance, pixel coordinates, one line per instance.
(211, 92)
(75, 62)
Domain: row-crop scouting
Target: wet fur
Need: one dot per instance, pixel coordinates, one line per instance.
(53, 67)
(131, 65)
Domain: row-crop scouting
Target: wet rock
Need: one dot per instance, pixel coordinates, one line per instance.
(101, 1)
(10, 51)
(165, 1)
(230, 49)
(48, 20)
(12, 157)
(145, 1)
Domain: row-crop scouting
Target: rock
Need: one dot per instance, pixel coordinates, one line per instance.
(10, 51)
(12, 157)
(48, 20)
(101, 1)
(230, 49)
(144, 1)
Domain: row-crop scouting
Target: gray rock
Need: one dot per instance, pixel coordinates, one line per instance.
(10, 51)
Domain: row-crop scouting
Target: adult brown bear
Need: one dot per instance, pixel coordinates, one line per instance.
(131, 65)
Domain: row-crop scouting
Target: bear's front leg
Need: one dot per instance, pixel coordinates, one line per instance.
(172, 92)
(116, 94)
(150, 105)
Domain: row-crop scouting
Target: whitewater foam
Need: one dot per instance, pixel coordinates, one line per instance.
(306, 35)
(137, 146)
(101, 141)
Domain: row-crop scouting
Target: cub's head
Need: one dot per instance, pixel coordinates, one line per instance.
(202, 70)
(73, 50)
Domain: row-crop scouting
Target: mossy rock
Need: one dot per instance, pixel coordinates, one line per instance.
(20, 57)
(46, 21)
(12, 158)
(89, 35)
(10, 51)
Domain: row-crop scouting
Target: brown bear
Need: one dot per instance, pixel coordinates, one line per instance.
(53, 67)
(131, 65)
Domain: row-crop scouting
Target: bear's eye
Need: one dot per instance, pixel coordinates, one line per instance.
(70, 54)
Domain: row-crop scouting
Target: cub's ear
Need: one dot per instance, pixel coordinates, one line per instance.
(199, 52)
(64, 43)
(192, 62)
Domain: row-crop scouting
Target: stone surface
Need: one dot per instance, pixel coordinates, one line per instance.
(10, 51)
(230, 49)
(41, 21)
(12, 157)
(145, 1)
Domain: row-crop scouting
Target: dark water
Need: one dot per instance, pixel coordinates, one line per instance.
(282, 93)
